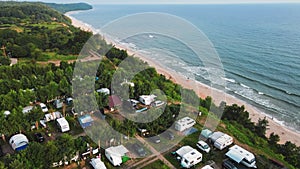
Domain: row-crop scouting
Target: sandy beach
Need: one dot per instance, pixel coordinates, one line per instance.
(203, 90)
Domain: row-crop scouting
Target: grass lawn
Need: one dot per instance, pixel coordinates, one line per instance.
(156, 165)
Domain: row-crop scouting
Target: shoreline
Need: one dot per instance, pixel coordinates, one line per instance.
(203, 90)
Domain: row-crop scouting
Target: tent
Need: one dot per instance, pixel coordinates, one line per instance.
(85, 121)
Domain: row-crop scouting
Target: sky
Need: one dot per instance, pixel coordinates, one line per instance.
(169, 1)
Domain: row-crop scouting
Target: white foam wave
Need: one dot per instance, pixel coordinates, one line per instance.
(229, 80)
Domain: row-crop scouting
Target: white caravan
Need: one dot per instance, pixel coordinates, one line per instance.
(184, 123)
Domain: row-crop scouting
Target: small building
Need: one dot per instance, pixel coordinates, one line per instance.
(188, 156)
(18, 142)
(117, 155)
(147, 99)
(63, 124)
(184, 123)
(240, 155)
(113, 102)
(27, 109)
(105, 91)
(97, 163)
(86, 121)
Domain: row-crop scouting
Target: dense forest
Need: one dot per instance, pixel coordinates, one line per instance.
(34, 31)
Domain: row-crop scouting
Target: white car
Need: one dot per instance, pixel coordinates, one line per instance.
(203, 146)
(44, 107)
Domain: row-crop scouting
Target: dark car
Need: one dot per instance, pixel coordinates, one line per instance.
(155, 139)
(39, 137)
(169, 135)
(227, 164)
(139, 150)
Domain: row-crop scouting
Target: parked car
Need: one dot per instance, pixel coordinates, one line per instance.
(169, 135)
(155, 139)
(227, 164)
(203, 146)
(44, 107)
(39, 137)
(139, 150)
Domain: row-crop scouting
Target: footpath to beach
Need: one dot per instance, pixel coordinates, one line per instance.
(203, 91)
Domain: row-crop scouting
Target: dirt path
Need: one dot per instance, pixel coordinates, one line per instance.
(155, 154)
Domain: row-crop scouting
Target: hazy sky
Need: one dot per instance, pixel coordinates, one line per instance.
(170, 1)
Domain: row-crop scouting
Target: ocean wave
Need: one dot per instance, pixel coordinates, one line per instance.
(230, 80)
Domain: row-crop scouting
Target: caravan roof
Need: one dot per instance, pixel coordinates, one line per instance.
(215, 136)
(183, 150)
(62, 121)
(118, 150)
(97, 163)
(238, 153)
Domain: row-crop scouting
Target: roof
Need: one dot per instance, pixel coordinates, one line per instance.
(216, 135)
(152, 96)
(97, 163)
(104, 90)
(62, 121)
(183, 150)
(185, 120)
(241, 152)
(85, 119)
(192, 154)
(117, 151)
(235, 156)
(18, 140)
(114, 101)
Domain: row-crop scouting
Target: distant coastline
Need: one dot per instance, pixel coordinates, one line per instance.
(285, 133)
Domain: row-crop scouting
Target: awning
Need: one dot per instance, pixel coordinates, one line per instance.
(235, 156)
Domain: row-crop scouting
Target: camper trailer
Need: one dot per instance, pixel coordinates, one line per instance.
(63, 124)
(188, 156)
(240, 155)
(116, 155)
(147, 99)
(18, 142)
(223, 142)
(184, 123)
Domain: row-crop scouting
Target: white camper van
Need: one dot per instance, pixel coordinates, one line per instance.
(184, 123)
(63, 124)
(189, 156)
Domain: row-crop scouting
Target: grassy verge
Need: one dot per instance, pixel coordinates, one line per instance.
(156, 165)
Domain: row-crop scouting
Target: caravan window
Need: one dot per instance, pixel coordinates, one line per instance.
(186, 161)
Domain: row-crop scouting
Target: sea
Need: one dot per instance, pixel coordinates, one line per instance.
(258, 45)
